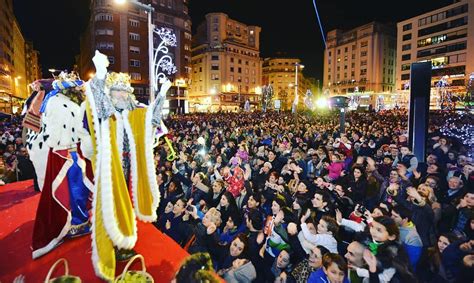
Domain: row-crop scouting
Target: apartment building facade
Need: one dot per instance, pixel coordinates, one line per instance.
(226, 65)
(6, 54)
(121, 32)
(20, 83)
(446, 38)
(33, 67)
(14, 55)
(281, 74)
(361, 61)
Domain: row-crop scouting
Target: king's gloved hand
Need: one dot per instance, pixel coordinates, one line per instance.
(101, 63)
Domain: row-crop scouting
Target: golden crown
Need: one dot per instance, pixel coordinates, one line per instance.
(118, 81)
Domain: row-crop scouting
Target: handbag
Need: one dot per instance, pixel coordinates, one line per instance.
(135, 276)
(66, 278)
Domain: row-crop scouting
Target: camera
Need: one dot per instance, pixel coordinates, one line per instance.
(190, 208)
(361, 209)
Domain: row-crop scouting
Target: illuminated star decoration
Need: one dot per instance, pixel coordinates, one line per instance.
(468, 97)
(165, 62)
(452, 128)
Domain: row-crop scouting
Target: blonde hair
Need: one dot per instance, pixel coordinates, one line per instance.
(215, 216)
(431, 197)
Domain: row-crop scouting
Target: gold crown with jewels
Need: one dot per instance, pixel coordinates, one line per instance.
(118, 81)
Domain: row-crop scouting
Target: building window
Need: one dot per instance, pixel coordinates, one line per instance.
(407, 27)
(214, 67)
(134, 23)
(136, 76)
(406, 57)
(104, 32)
(363, 63)
(405, 76)
(139, 90)
(187, 35)
(215, 57)
(363, 72)
(186, 47)
(214, 77)
(364, 44)
(111, 60)
(443, 26)
(406, 47)
(231, 69)
(406, 36)
(363, 53)
(105, 45)
(134, 49)
(134, 63)
(232, 59)
(104, 17)
(239, 70)
(133, 36)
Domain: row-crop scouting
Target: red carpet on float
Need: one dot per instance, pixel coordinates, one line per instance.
(18, 204)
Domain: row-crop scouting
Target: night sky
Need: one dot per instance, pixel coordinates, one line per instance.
(289, 28)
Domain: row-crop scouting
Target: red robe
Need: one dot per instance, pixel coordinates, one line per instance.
(53, 217)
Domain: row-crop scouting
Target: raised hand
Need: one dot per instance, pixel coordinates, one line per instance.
(101, 62)
(292, 229)
(371, 260)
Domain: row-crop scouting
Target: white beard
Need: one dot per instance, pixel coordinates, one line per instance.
(121, 104)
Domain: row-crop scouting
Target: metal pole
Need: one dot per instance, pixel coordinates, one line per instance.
(342, 120)
(150, 57)
(239, 95)
(296, 84)
(179, 103)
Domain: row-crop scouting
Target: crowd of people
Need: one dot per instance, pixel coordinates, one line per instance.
(278, 197)
(15, 158)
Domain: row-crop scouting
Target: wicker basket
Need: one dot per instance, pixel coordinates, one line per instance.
(135, 276)
(66, 278)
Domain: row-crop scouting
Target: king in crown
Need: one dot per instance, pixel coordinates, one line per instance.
(123, 136)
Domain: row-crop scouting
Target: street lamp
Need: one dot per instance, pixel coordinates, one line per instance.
(149, 10)
(297, 66)
(179, 82)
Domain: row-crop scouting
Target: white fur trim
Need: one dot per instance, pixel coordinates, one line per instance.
(119, 134)
(96, 129)
(56, 241)
(150, 162)
(107, 196)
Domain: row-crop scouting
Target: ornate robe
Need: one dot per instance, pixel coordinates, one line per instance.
(114, 222)
(67, 174)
